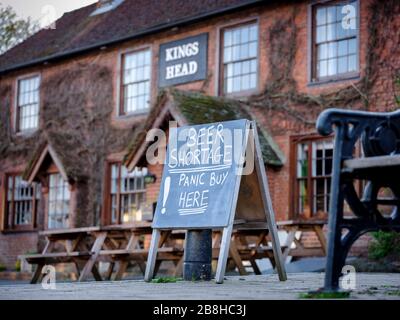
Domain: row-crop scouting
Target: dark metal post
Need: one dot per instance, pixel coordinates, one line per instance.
(198, 254)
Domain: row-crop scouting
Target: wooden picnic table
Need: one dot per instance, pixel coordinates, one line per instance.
(299, 250)
(85, 247)
(250, 242)
(67, 246)
(120, 245)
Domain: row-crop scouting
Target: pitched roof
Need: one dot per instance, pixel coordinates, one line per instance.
(191, 108)
(40, 158)
(77, 31)
(58, 150)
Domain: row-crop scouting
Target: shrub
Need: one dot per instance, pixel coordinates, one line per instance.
(384, 244)
(18, 265)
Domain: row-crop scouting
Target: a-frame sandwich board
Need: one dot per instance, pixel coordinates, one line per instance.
(244, 196)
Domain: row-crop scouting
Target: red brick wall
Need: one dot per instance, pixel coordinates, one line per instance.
(14, 244)
(279, 124)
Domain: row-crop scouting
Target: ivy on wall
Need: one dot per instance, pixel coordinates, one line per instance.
(281, 97)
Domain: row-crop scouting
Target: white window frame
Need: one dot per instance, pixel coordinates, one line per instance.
(120, 82)
(16, 118)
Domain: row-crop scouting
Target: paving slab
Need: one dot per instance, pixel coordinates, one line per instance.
(368, 286)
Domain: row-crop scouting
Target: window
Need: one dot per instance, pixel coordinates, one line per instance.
(59, 197)
(28, 104)
(21, 203)
(335, 40)
(313, 176)
(136, 82)
(127, 192)
(240, 58)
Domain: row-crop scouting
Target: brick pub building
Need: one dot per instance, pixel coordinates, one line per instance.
(76, 101)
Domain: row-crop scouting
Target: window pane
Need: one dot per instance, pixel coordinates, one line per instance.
(352, 63)
(323, 51)
(323, 68)
(331, 32)
(321, 34)
(228, 38)
(335, 38)
(59, 201)
(342, 65)
(321, 168)
(28, 103)
(20, 200)
(131, 185)
(332, 67)
(332, 50)
(331, 14)
(321, 16)
(240, 59)
(136, 81)
(352, 46)
(342, 48)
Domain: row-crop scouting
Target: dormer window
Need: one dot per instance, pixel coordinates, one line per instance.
(104, 6)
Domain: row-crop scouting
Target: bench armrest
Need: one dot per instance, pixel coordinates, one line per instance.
(331, 117)
(379, 132)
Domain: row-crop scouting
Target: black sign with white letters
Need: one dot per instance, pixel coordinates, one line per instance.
(183, 61)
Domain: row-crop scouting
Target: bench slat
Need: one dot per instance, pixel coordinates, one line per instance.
(372, 162)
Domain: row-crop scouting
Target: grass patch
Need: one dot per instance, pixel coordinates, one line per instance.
(325, 295)
(393, 293)
(166, 280)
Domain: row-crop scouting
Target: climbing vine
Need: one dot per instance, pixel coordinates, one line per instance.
(281, 97)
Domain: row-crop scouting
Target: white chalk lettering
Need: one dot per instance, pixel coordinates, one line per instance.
(194, 199)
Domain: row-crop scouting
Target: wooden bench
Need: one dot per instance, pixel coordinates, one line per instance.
(294, 247)
(378, 168)
(54, 258)
(65, 246)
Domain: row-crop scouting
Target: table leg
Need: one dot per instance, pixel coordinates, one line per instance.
(123, 265)
(37, 274)
(90, 264)
(321, 237)
(289, 241)
(255, 267)
(236, 257)
(96, 273)
(179, 268)
(110, 271)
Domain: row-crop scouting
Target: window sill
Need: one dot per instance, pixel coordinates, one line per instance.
(22, 230)
(26, 133)
(327, 81)
(242, 95)
(132, 115)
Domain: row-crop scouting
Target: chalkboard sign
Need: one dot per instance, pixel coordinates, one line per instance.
(205, 186)
(200, 175)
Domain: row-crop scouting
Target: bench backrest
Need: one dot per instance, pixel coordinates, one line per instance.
(378, 132)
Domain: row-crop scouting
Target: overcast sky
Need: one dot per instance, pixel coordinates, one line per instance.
(45, 11)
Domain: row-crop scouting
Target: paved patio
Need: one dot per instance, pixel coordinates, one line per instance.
(368, 286)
